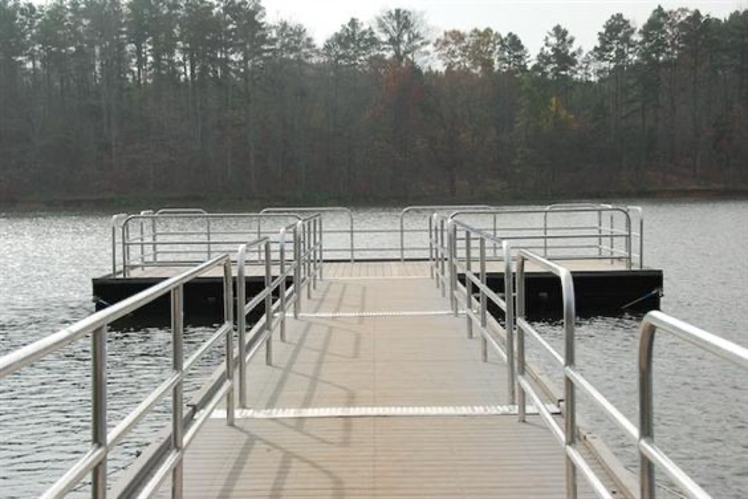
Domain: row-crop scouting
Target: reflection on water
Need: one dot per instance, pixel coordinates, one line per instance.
(49, 258)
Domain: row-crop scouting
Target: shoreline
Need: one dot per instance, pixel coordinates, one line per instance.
(130, 202)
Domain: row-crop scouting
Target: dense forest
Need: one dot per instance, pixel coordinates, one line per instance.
(100, 98)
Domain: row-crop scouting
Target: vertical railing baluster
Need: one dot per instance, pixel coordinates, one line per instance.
(307, 258)
(297, 270)
(570, 415)
(125, 235)
(453, 257)
(268, 305)
(442, 256)
(509, 319)
(282, 275)
(209, 237)
(241, 322)
(495, 230)
(612, 239)
(431, 249)
(483, 298)
(468, 284)
(228, 317)
(177, 398)
(321, 251)
(520, 308)
(99, 408)
(314, 253)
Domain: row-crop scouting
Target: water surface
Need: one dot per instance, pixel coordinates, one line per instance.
(49, 258)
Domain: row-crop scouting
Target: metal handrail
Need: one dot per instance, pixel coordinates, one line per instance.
(305, 254)
(627, 236)
(208, 245)
(485, 293)
(94, 461)
(428, 208)
(649, 454)
(568, 435)
(346, 210)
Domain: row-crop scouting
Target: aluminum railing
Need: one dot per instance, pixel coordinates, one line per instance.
(305, 268)
(303, 263)
(477, 314)
(448, 262)
(650, 455)
(94, 461)
(431, 209)
(321, 210)
(578, 239)
(146, 240)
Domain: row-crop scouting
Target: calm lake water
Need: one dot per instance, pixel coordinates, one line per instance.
(48, 259)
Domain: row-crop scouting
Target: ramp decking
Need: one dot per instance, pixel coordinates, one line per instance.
(369, 344)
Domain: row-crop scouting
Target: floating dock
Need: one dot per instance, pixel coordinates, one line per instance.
(602, 245)
(400, 377)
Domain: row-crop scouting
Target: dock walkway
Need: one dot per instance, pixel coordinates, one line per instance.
(377, 392)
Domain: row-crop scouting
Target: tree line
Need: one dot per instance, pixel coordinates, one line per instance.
(106, 98)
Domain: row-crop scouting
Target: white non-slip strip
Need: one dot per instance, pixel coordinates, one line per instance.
(371, 314)
(383, 411)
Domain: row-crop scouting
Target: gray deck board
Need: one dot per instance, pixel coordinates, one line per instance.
(357, 361)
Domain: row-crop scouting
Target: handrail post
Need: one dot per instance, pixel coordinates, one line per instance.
(99, 409)
(521, 397)
(268, 306)
(600, 233)
(509, 319)
(282, 274)
(314, 253)
(570, 431)
(484, 284)
(353, 245)
(154, 238)
(442, 257)
(612, 238)
(297, 270)
(468, 285)
(452, 251)
(125, 235)
(321, 251)
(177, 398)
(241, 322)
(307, 258)
(641, 240)
(629, 246)
(228, 317)
(495, 230)
(545, 234)
(208, 236)
(431, 248)
(647, 486)
(483, 304)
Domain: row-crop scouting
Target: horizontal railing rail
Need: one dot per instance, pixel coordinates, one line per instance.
(305, 268)
(146, 240)
(441, 245)
(94, 461)
(650, 455)
(153, 240)
(600, 239)
(429, 209)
